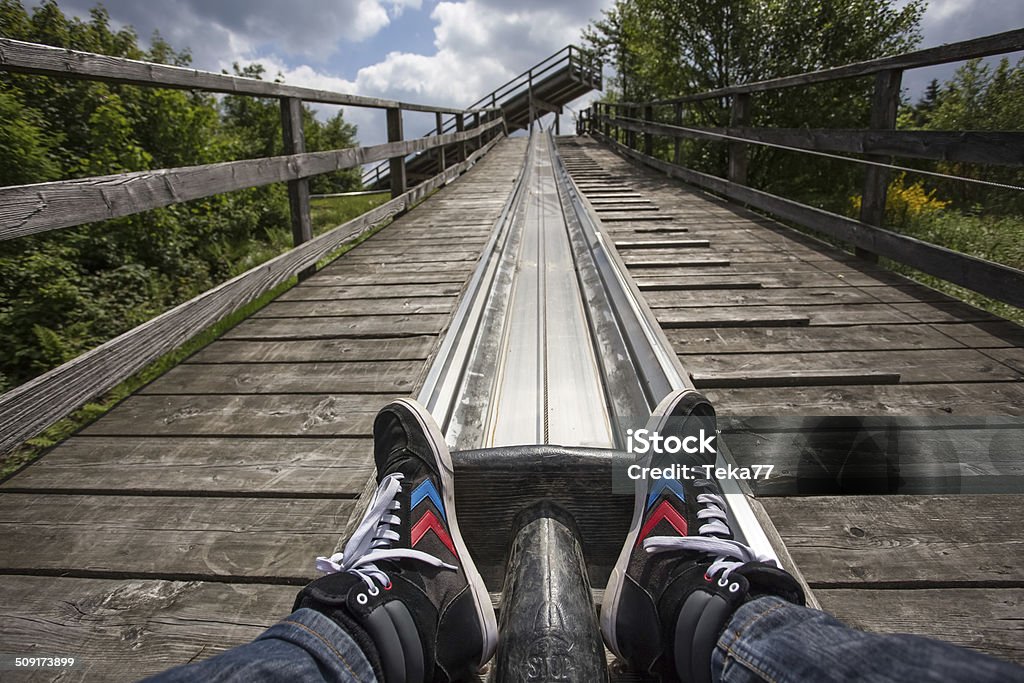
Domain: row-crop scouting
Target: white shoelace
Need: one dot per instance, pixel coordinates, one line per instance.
(729, 554)
(372, 540)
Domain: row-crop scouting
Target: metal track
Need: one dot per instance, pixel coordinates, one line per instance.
(553, 342)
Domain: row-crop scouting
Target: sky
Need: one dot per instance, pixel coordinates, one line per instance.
(447, 52)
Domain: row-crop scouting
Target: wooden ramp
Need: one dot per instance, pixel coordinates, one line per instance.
(774, 326)
(182, 523)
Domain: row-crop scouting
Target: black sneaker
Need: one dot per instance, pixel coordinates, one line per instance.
(405, 579)
(680, 562)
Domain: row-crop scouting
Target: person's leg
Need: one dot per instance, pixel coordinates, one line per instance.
(305, 646)
(402, 602)
(770, 639)
(687, 602)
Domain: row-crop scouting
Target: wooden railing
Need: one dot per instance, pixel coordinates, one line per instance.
(618, 123)
(30, 209)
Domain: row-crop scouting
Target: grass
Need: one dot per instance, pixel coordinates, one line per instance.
(325, 214)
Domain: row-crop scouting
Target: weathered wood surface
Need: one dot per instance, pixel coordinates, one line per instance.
(28, 209)
(229, 467)
(21, 57)
(127, 629)
(31, 407)
(991, 279)
(787, 309)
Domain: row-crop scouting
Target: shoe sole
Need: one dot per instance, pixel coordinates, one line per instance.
(612, 593)
(481, 597)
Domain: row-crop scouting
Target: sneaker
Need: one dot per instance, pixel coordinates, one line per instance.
(405, 579)
(679, 554)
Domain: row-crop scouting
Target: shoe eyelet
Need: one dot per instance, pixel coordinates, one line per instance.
(708, 578)
(723, 582)
(362, 599)
(388, 587)
(734, 588)
(374, 591)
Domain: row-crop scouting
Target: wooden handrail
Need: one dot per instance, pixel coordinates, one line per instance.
(28, 209)
(28, 409)
(1005, 148)
(30, 58)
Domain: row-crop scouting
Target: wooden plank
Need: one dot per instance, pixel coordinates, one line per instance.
(741, 254)
(1000, 282)
(903, 541)
(981, 619)
(20, 57)
(166, 536)
(29, 209)
(299, 468)
(992, 398)
(663, 244)
(384, 291)
(341, 277)
(431, 256)
(349, 327)
(380, 377)
(775, 296)
(349, 307)
(880, 455)
(124, 629)
(913, 366)
(308, 415)
(818, 314)
(795, 378)
(229, 351)
(726, 340)
(31, 407)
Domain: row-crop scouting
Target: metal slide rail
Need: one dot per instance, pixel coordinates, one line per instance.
(498, 360)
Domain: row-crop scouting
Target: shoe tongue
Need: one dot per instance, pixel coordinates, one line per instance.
(408, 464)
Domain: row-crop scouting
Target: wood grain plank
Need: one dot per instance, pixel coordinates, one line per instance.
(355, 326)
(388, 377)
(982, 619)
(242, 415)
(824, 314)
(911, 366)
(901, 541)
(743, 340)
(124, 629)
(994, 398)
(164, 536)
(350, 307)
(314, 292)
(206, 465)
(228, 351)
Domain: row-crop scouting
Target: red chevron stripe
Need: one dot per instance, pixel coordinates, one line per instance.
(665, 512)
(427, 522)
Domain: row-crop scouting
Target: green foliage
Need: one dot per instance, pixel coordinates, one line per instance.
(662, 49)
(64, 292)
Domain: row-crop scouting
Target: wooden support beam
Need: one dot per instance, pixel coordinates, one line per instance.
(460, 126)
(440, 150)
(678, 142)
(397, 163)
(739, 156)
(298, 189)
(884, 108)
(649, 137)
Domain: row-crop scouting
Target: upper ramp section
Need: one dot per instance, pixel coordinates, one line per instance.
(544, 88)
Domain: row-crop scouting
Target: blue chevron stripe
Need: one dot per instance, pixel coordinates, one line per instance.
(427, 490)
(662, 484)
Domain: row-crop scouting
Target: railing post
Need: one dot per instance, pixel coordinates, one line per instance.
(678, 140)
(884, 107)
(298, 190)
(631, 135)
(396, 163)
(739, 158)
(440, 149)
(649, 136)
(460, 126)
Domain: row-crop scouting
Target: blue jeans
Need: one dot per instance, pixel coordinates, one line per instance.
(766, 640)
